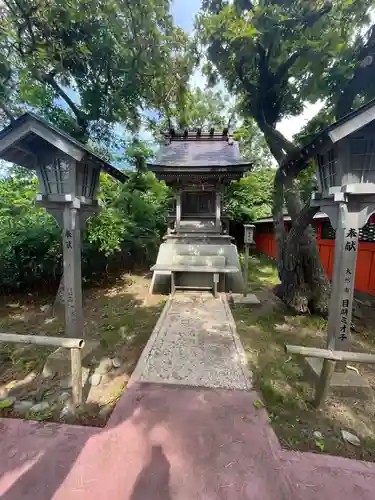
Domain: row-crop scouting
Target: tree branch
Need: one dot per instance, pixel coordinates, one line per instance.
(82, 118)
(7, 112)
(311, 19)
(26, 24)
(250, 87)
(276, 139)
(299, 226)
(284, 68)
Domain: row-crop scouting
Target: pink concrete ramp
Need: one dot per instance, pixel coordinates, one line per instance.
(171, 443)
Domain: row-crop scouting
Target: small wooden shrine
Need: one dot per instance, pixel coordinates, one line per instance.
(198, 252)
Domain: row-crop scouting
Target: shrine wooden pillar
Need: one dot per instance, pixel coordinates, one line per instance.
(218, 211)
(178, 210)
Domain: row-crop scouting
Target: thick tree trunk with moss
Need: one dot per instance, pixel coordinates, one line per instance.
(304, 285)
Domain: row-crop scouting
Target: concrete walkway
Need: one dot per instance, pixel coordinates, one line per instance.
(174, 442)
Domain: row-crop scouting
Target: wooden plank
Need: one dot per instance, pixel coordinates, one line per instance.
(363, 269)
(194, 269)
(322, 386)
(188, 287)
(76, 377)
(246, 270)
(216, 281)
(314, 352)
(68, 343)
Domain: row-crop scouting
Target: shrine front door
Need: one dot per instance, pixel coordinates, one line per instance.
(195, 203)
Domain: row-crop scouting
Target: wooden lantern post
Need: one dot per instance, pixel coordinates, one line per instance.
(68, 175)
(248, 240)
(344, 155)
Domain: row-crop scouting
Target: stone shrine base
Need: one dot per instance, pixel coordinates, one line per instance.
(249, 300)
(343, 384)
(204, 246)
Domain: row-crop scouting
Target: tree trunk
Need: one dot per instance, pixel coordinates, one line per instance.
(304, 285)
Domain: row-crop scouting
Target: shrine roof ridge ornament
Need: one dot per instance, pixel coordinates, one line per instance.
(332, 134)
(197, 135)
(30, 128)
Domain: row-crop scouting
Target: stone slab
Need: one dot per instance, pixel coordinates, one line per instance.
(240, 300)
(343, 384)
(59, 362)
(196, 344)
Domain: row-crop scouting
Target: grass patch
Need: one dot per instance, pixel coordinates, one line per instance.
(264, 332)
(262, 272)
(121, 317)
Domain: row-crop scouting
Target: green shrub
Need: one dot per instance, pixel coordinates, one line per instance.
(127, 230)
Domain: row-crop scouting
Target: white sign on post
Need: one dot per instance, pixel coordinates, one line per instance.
(249, 233)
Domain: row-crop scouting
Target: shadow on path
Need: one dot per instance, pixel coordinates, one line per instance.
(153, 477)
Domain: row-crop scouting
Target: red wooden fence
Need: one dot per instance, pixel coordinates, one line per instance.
(365, 271)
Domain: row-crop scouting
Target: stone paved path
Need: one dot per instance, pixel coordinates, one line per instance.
(196, 344)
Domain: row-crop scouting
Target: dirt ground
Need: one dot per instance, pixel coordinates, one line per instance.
(120, 316)
(264, 330)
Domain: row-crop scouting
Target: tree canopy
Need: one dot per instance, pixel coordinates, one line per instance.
(275, 55)
(87, 64)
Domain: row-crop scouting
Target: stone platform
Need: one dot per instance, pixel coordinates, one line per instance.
(239, 299)
(203, 245)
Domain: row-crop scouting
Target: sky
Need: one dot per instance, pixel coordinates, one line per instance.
(184, 12)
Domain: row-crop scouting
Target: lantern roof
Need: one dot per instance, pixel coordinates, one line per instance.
(26, 136)
(342, 128)
(199, 150)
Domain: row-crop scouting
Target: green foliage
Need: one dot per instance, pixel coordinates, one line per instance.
(198, 109)
(86, 64)
(137, 154)
(132, 218)
(253, 145)
(276, 55)
(307, 182)
(6, 403)
(128, 227)
(30, 246)
(251, 197)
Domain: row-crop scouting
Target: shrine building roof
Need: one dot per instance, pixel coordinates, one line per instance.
(199, 150)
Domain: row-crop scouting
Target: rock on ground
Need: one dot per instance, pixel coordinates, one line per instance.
(63, 397)
(116, 363)
(68, 410)
(104, 367)
(95, 379)
(317, 435)
(351, 438)
(105, 411)
(40, 407)
(22, 407)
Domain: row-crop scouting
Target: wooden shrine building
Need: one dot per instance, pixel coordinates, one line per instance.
(198, 252)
